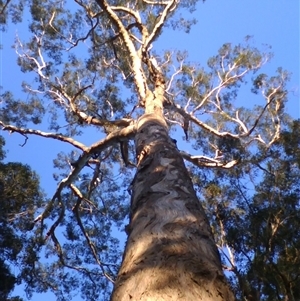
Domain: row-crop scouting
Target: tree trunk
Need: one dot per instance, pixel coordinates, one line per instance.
(170, 252)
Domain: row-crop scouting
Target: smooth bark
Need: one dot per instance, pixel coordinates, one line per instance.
(170, 253)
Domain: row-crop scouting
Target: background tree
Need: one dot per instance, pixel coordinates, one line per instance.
(77, 89)
(265, 260)
(20, 197)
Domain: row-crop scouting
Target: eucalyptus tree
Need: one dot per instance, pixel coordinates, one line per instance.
(95, 66)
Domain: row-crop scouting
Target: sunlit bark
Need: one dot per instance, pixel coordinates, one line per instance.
(170, 252)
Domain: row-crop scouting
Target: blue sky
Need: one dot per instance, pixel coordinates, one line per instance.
(273, 22)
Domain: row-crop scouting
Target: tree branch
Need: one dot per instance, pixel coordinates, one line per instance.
(170, 6)
(55, 136)
(222, 85)
(4, 7)
(83, 117)
(51, 231)
(88, 240)
(116, 136)
(185, 115)
(40, 65)
(74, 44)
(201, 161)
(133, 13)
(139, 77)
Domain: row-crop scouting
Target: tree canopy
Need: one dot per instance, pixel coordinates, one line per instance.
(91, 68)
(254, 211)
(20, 197)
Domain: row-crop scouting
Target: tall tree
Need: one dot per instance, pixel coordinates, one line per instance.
(82, 55)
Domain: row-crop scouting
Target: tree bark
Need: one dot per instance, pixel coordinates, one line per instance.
(170, 252)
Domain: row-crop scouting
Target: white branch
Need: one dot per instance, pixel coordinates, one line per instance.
(173, 76)
(201, 161)
(39, 66)
(139, 77)
(202, 124)
(55, 136)
(133, 13)
(170, 6)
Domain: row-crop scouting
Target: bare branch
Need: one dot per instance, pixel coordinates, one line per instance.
(63, 98)
(201, 161)
(229, 258)
(40, 65)
(246, 132)
(55, 136)
(133, 13)
(173, 76)
(170, 6)
(222, 85)
(203, 125)
(139, 76)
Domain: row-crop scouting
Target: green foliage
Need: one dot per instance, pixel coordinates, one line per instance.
(11, 11)
(7, 280)
(21, 112)
(20, 196)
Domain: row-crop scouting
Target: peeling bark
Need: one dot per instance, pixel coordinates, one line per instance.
(170, 252)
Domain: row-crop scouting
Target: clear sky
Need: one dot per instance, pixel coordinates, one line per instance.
(273, 22)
